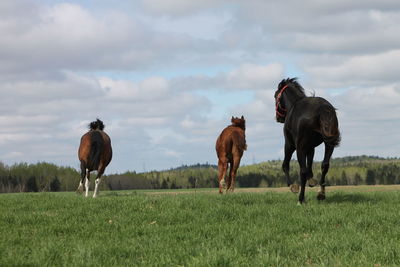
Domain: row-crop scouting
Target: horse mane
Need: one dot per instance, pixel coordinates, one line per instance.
(239, 122)
(293, 83)
(96, 125)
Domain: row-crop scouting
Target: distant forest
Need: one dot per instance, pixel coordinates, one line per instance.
(357, 170)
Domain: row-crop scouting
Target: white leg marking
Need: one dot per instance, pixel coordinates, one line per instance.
(80, 186)
(87, 183)
(222, 183)
(96, 187)
(322, 190)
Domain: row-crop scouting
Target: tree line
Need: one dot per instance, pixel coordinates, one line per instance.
(360, 170)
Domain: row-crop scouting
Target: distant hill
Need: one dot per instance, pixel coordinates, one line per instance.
(194, 166)
(352, 170)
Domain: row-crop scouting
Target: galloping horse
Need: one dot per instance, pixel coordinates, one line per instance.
(94, 153)
(308, 121)
(230, 146)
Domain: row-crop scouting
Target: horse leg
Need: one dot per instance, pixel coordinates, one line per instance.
(222, 167)
(234, 166)
(310, 157)
(83, 175)
(324, 169)
(229, 178)
(100, 172)
(301, 158)
(289, 149)
(87, 182)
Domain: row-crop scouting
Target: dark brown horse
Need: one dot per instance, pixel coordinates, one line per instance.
(95, 154)
(308, 122)
(230, 146)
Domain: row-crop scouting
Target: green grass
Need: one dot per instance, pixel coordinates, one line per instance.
(240, 229)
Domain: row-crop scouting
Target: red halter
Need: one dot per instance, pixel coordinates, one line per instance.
(278, 103)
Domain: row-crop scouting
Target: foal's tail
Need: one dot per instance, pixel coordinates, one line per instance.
(329, 126)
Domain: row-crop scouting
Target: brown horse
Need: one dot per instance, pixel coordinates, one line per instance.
(94, 153)
(230, 146)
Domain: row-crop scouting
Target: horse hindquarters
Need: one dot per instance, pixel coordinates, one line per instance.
(96, 151)
(329, 126)
(238, 147)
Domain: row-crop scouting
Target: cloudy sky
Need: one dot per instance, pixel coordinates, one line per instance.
(165, 76)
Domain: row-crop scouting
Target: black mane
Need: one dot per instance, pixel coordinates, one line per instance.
(96, 125)
(292, 82)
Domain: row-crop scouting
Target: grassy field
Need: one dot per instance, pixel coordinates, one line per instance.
(355, 226)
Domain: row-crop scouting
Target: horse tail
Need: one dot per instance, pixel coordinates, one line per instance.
(329, 126)
(239, 140)
(96, 150)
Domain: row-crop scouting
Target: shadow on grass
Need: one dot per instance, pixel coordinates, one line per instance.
(348, 197)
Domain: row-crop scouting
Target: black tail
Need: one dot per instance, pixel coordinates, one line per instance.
(96, 125)
(97, 145)
(329, 126)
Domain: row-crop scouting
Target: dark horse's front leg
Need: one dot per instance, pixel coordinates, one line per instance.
(310, 158)
(289, 149)
(301, 158)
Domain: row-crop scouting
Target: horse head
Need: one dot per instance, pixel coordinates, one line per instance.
(282, 101)
(239, 122)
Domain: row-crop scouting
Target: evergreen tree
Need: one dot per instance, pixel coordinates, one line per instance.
(31, 185)
(370, 179)
(55, 185)
(343, 180)
(357, 179)
(164, 184)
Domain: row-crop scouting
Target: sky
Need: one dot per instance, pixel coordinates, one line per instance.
(165, 76)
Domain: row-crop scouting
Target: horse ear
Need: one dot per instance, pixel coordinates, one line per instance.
(232, 119)
(242, 117)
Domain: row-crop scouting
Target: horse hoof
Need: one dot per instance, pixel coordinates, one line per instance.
(222, 184)
(312, 182)
(321, 196)
(294, 188)
(300, 203)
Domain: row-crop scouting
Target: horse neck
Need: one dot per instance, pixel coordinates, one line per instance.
(240, 126)
(291, 97)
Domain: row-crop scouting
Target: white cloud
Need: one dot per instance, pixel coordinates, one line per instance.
(360, 70)
(178, 7)
(193, 65)
(250, 76)
(150, 89)
(68, 36)
(246, 77)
